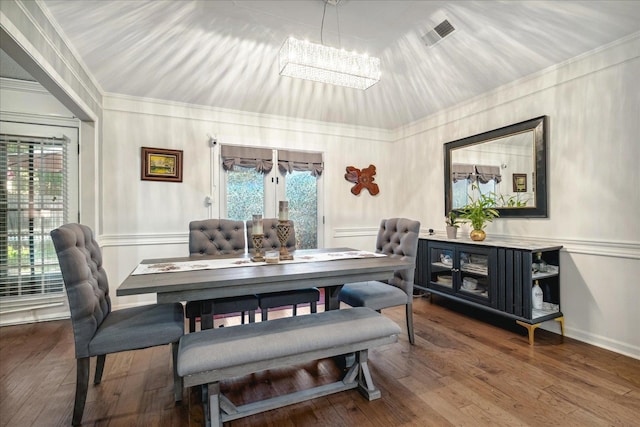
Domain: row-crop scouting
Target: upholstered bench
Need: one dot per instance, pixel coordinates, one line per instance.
(210, 356)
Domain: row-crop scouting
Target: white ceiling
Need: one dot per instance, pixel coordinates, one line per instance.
(223, 53)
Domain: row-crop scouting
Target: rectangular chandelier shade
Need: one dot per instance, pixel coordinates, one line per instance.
(311, 61)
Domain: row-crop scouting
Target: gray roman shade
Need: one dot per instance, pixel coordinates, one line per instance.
(484, 174)
(248, 157)
(289, 161)
(461, 172)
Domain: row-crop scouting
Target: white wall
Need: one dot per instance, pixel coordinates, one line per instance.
(593, 105)
(148, 219)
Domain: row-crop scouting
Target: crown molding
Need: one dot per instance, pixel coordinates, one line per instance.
(175, 109)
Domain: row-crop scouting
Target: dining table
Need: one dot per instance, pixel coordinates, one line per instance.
(196, 278)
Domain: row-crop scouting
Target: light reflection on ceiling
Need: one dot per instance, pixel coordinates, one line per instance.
(224, 53)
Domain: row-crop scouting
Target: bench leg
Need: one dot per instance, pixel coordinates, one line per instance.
(365, 382)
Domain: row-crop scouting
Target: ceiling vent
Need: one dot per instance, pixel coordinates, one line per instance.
(435, 35)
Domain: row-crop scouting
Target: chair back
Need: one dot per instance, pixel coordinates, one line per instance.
(85, 280)
(270, 241)
(399, 237)
(216, 237)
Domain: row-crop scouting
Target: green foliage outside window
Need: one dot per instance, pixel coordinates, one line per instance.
(303, 208)
(245, 198)
(245, 193)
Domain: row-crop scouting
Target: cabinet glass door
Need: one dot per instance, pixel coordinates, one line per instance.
(474, 275)
(442, 264)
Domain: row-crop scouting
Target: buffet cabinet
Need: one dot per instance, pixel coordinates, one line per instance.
(494, 276)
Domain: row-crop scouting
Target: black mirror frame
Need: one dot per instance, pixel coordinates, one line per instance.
(539, 126)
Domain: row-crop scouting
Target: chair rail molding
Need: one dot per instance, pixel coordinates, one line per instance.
(114, 240)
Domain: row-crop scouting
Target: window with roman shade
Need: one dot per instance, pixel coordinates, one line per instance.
(252, 186)
(484, 174)
(461, 172)
(289, 161)
(247, 157)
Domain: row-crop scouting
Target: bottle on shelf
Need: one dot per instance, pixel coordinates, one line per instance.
(539, 265)
(537, 296)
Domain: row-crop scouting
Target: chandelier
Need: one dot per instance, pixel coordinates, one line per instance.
(311, 61)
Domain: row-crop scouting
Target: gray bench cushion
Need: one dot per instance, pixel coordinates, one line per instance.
(227, 347)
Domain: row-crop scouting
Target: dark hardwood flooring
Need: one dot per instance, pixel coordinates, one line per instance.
(465, 369)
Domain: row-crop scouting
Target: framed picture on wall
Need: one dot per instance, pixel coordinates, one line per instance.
(160, 164)
(519, 182)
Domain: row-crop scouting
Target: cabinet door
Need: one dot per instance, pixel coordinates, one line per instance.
(440, 259)
(475, 271)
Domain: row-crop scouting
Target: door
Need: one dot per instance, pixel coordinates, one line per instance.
(251, 185)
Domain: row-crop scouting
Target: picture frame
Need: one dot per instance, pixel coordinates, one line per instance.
(519, 182)
(161, 164)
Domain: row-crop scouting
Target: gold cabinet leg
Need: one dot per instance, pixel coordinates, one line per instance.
(561, 321)
(530, 328)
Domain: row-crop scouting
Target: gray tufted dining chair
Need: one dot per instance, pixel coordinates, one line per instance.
(99, 331)
(218, 237)
(283, 298)
(397, 237)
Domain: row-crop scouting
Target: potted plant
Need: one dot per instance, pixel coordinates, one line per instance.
(452, 225)
(479, 212)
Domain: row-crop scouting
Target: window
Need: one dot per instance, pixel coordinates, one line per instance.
(32, 203)
(253, 186)
(469, 181)
(245, 191)
(301, 191)
(36, 195)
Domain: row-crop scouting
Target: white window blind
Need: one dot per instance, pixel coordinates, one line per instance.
(33, 201)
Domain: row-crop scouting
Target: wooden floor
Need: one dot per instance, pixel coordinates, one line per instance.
(462, 371)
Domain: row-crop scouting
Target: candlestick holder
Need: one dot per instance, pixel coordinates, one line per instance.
(284, 229)
(257, 245)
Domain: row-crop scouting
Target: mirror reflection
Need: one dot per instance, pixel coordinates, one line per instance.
(503, 166)
(508, 162)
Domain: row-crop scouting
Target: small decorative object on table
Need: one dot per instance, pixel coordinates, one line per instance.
(257, 234)
(479, 212)
(284, 229)
(452, 225)
(272, 257)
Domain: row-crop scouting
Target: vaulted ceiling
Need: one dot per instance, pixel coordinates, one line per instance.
(224, 54)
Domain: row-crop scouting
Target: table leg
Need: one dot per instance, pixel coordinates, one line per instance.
(331, 297)
(206, 315)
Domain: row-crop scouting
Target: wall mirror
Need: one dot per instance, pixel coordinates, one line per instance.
(511, 162)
